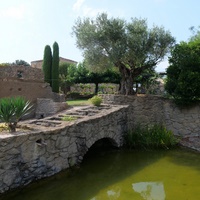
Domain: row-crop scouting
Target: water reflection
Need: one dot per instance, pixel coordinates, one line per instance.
(150, 190)
(112, 194)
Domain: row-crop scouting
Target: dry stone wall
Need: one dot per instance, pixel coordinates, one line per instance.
(56, 145)
(149, 109)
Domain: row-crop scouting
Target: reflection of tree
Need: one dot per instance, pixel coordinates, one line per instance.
(150, 190)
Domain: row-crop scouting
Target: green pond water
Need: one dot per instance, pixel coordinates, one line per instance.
(122, 175)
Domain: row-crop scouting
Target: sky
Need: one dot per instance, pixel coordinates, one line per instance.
(27, 26)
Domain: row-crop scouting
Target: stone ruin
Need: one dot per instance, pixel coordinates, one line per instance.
(29, 82)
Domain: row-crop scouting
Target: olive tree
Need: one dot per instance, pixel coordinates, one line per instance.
(130, 46)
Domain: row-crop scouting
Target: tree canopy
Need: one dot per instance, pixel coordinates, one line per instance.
(183, 74)
(71, 74)
(130, 46)
(16, 63)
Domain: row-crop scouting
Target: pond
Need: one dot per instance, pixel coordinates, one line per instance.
(122, 175)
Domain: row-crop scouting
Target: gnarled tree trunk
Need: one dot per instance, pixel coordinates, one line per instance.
(126, 81)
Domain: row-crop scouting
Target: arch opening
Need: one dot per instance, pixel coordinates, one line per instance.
(101, 147)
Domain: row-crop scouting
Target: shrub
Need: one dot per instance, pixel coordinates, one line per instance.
(96, 100)
(183, 74)
(12, 110)
(156, 136)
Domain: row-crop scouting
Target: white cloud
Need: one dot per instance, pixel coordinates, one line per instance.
(77, 6)
(17, 12)
(81, 9)
(91, 12)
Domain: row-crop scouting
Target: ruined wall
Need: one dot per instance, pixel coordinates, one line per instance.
(57, 145)
(29, 83)
(149, 109)
(30, 89)
(23, 72)
(23, 81)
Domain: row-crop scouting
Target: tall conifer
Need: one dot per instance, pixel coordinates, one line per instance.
(55, 68)
(47, 64)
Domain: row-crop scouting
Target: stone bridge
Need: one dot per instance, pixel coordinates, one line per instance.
(58, 142)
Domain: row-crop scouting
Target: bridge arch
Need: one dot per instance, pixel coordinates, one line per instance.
(101, 145)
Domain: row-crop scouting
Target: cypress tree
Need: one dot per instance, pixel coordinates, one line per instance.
(47, 64)
(55, 68)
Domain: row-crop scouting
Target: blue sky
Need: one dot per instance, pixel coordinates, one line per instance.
(28, 25)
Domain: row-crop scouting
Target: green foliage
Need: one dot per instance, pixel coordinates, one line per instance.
(78, 102)
(47, 64)
(21, 62)
(55, 68)
(16, 63)
(69, 118)
(183, 74)
(195, 33)
(156, 136)
(131, 47)
(12, 110)
(85, 75)
(66, 76)
(96, 100)
(71, 74)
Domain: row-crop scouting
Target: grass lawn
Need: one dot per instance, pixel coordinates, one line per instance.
(78, 102)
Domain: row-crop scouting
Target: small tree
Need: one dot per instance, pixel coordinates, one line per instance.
(47, 64)
(67, 76)
(55, 68)
(12, 110)
(183, 74)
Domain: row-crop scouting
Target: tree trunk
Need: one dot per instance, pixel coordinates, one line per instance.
(96, 88)
(126, 81)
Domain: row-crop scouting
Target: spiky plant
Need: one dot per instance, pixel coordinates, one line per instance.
(12, 109)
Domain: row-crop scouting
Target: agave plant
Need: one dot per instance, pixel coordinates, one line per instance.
(12, 109)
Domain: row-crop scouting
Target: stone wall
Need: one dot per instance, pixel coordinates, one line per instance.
(149, 109)
(23, 72)
(46, 107)
(55, 145)
(29, 83)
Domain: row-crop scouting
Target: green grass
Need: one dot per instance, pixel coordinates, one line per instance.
(78, 102)
(150, 137)
(68, 118)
